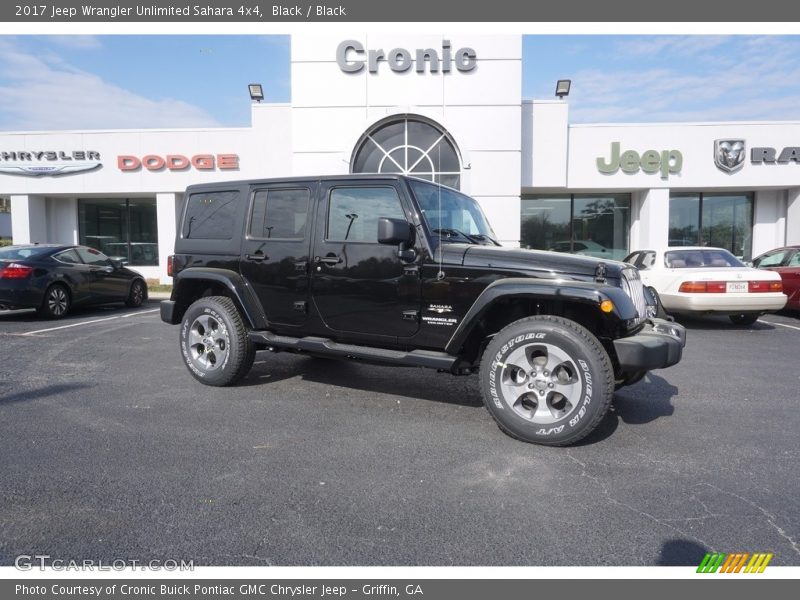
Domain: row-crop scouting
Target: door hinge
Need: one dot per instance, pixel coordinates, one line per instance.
(300, 306)
(411, 315)
(301, 266)
(411, 270)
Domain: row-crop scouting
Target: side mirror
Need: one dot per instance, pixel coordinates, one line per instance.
(397, 232)
(394, 232)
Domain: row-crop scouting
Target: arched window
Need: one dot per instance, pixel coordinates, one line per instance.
(411, 146)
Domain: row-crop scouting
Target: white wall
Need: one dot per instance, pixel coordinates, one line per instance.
(547, 161)
(481, 109)
(651, 219)
(28, 219)
(62, 220)
(167, 209)
(695, 141)
(264, 151)
(768, 220)
(793, 216)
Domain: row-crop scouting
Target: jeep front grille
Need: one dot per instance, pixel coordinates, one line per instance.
(632, 284)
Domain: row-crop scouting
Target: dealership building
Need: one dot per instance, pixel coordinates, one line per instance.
(441, 107)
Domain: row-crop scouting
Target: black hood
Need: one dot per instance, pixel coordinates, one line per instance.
(545, 264)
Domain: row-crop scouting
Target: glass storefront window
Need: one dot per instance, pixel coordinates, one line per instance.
(684, 219)
(546, 223)
(721, 220)
(412, 146)
(121, 228)
(593, 225)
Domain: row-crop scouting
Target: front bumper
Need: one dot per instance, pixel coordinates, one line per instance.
(658, 346)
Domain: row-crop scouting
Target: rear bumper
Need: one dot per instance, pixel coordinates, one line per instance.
(658, 346)
(723, 303)
(20, 294)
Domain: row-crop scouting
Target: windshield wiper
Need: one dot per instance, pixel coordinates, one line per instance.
(481, 237)
(455, 232)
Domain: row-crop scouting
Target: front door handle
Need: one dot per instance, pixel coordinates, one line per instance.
(259, 256)
(328, 260)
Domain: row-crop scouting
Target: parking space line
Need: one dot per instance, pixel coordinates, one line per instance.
(779, 324)
(141, 312)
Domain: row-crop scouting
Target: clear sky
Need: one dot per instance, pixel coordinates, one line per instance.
(98, 82)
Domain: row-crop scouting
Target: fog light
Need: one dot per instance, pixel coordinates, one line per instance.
(606, 306)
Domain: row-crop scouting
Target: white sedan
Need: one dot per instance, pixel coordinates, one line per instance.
(704, 280)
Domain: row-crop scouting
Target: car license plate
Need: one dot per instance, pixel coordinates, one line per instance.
(736, 287)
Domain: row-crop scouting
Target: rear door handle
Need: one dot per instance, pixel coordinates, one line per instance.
(258, 257)
(328, 260)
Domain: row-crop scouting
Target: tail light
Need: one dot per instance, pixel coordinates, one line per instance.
(765, 286)
(15, 271)
(703, 287)
(171, 265)
(720, 287)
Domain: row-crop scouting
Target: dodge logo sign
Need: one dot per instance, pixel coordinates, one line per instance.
(729, 155)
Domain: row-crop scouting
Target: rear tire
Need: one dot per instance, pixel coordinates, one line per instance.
(56, 302)
(745, 319)
(137, 295)
(546, 380)
(214, 342)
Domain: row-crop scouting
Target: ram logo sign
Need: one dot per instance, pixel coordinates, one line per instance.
(729, 155)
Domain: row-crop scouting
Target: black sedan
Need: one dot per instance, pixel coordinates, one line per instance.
(52, 278)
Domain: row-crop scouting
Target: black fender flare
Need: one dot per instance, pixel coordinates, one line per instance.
(588, 293)
(240, 290)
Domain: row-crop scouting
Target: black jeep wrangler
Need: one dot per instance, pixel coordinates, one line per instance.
(399, 271)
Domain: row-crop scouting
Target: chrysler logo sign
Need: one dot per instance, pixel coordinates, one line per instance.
(729, 155)
(38, 163)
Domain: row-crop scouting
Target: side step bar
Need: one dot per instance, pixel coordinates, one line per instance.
(318, 345)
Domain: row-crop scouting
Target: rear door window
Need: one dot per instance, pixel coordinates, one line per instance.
(279, 214)
(69, 257)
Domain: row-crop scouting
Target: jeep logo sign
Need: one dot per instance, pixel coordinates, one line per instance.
(665, 162)
(352, 58)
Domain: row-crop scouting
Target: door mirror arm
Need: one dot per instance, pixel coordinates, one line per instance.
(406, 252)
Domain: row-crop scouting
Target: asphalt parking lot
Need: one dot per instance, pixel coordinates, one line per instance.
(111, 450)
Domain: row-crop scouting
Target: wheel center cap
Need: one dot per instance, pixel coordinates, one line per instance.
(540, 382)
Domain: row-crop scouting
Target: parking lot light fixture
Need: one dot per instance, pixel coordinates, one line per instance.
(256, 92)
(562, 87)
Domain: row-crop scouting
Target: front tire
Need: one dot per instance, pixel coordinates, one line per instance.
(546, 380)
(56, 302)
(744, 319)
(214, 342)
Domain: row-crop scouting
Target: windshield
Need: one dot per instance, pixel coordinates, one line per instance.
(695, 259)
(451, 215)
(21, 253)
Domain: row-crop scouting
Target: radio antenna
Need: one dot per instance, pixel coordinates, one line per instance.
(440, 274)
